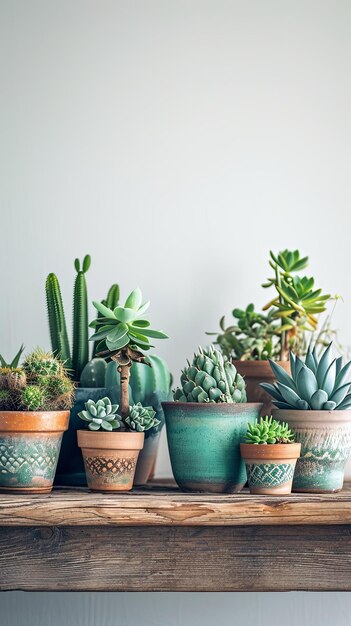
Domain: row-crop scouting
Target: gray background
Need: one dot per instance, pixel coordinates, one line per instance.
(176, 141)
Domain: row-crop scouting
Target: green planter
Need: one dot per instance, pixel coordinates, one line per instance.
(70, 468)
(204, 444)
(325, 438)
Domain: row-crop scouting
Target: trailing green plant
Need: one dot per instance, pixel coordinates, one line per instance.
(121, 334)
(40, 384)
(57, 321)
(254, 336)
(266, 430)
(318, 383)
(141, 418)
(101, 415)
(297, 303)
(210, 378)
(76, 361)
(12, 365)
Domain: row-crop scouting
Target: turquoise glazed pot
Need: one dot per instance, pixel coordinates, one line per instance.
(70, 468)
(325, 438)
(204, 444)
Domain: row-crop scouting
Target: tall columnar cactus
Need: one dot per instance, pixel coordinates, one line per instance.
(57, 322)
(80, 352)
(111, 302)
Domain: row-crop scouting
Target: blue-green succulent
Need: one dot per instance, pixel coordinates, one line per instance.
(316, 383)
(141, 418)
(101, 415)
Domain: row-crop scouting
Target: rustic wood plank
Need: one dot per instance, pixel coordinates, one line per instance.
(162, 506)
(242, 558)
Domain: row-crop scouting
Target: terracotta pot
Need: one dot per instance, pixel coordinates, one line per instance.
(204, 444)
(270, 467)
(325, 438)
(256, 372)
(147, 458)
(110, 458)
(29, 448)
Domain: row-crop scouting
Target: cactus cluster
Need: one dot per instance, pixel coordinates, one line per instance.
(74, 362)
(210, 378)
(41, 383)
(103, 415)
(318, 383)
(267, 430)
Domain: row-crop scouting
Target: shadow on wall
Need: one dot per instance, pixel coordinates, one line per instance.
(174, 609)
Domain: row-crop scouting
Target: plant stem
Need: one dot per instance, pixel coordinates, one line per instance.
(124, 371)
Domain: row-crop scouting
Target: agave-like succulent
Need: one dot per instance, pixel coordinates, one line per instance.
(318, 383)
(101, 414)
(268, 430)
(210, 378)
(141, 418)
(124, 325)
(15, 361)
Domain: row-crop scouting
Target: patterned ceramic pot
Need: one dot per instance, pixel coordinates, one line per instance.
(325, 438)
(270, 467)
(110, 458)
(256, 372)
(29, 448)
(204, 444)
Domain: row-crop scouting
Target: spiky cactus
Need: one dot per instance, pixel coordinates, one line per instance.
(40, 363)
(318, 383)
(57, 322)
(5, 400)
(80, 351)
(32, 398)
(16, 379)
(210, 378)
(141, 418)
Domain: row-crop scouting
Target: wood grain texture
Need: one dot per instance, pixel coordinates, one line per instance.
(167, 506)
(238, 558)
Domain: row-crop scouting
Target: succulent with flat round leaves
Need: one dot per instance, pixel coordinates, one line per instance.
(317, 383)
(141, 418)
(101, 414)
(210, 378)
(266, 430)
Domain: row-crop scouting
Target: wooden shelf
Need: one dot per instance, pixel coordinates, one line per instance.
(159, 539)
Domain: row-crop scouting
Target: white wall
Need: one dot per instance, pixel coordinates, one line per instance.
(176, 141)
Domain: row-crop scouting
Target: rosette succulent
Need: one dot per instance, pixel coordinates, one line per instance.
(210, 378)
(267, 430)
(141, 418)
(317, 383)
(101, 414)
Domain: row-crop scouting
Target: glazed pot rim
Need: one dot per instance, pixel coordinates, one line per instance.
(212, 405)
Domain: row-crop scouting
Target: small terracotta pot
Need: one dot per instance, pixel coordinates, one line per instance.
(325, 438)
(110, 458)
(270, 467)
(30, 443)
(256, 372)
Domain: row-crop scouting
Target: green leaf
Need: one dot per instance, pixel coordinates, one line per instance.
(102, 332)
(86, 263)
(157, 334)
(329, 378)
(104, 310)
(323, 365)
(117, 332)
(288, 394)
(306, 384)
(144, 307)
(141, 323)
(123, 314)
(318, 399)
(118, 344)
(134, 299)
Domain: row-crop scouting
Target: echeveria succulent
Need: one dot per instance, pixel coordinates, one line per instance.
(267, 430)
(124, 325)
(101, 414)
(141, 418)
(318, 383)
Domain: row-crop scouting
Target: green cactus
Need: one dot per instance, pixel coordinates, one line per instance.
(80, 351)
(101, 414)
(57, 321)
(93, 374)
(40, 363)
(16, 379)
(32, 398)
(111, 302)
(141, 418)
(267, 430)
(5, 400)
(210, 378)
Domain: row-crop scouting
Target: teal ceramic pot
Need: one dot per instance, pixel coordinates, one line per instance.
(325, 438)
(70, 468)
(29, 448)
(204, 444)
